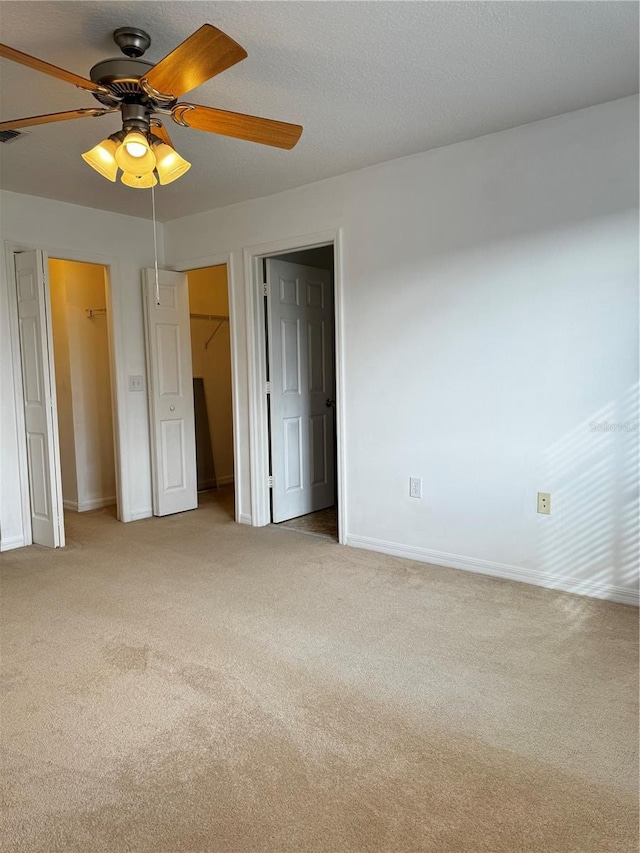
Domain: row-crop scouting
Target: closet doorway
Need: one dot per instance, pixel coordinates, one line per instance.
(83, 384)
(212, 386)
(300, 363)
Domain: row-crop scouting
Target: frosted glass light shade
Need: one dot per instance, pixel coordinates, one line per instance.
(142, 161)
(102, 158)
(169, 164)
(140, 182)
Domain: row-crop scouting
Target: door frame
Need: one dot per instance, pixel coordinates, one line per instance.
(257, 363)
(116, 375)
(218, 260)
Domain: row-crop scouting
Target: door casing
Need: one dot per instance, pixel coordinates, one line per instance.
(258, 426)
(118, 381)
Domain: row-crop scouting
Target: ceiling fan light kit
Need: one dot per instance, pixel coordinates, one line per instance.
(139, 90)
(138, 157)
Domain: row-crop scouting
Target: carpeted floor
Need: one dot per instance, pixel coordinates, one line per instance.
(189, 685)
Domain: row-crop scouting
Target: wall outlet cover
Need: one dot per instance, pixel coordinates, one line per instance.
(544, 503)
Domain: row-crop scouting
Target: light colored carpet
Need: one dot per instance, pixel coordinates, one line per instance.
(189, 685)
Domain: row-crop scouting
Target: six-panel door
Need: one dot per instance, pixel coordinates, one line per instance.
(302, 388)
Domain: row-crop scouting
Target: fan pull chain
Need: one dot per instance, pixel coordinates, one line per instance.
(155, 243)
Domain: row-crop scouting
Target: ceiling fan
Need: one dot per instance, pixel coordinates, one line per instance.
(142, 91)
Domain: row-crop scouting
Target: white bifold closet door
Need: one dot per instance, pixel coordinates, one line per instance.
(170, 390)
(39, 390)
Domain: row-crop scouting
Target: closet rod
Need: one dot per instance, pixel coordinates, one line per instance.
(221, 317)
(95, 312)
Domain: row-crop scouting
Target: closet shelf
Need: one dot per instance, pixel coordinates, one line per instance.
(219, 318)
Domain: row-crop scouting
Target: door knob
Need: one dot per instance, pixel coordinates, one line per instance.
(330, 404)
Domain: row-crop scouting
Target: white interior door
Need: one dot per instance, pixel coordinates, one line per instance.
(301, 363)
(38, 383)
(170, 389)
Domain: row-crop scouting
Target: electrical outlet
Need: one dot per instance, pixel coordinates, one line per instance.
(136, 383)
(544, 503)
(415, 487)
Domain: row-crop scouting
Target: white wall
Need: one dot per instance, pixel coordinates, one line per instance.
(125, 245)
(490, 317)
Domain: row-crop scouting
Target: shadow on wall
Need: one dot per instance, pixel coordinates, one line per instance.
(592, 473)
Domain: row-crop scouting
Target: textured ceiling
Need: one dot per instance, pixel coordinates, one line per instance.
(368, 81)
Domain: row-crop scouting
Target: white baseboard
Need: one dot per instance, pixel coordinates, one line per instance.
(96, 503)
(137, 514)
(12, 542)
(498, 570)
(244, 518)
(206, 484)
(92, 503)
(212, 484)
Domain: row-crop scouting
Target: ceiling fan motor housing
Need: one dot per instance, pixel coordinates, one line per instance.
(121, 76)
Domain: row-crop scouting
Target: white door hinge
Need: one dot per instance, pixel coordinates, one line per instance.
(265, 288)
(270, 482)
(267, 387)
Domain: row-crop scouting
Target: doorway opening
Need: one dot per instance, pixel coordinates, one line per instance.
(212, 384)
(53, 323)
(300, 361)
(78, 294)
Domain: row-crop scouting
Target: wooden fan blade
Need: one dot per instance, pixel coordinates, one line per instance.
(161, 131)
(204, 54)
(46, 67)
(15, 123)
(252, 128)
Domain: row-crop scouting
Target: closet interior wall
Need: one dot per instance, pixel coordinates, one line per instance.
(83, 384)
(211, 361)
